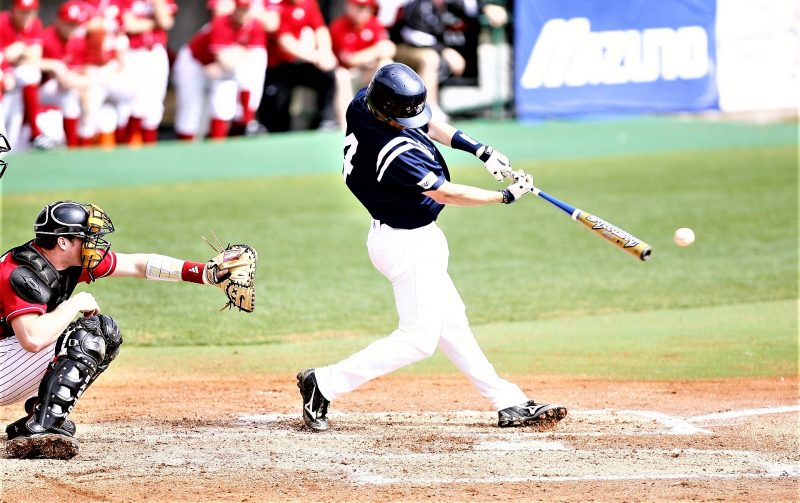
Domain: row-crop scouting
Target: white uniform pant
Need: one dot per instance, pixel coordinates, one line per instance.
(192, 86)
(150, 69)
(110, 101)
(250, 77)
(431, 315)
(13, 107)
(68, 100)
(21, 371)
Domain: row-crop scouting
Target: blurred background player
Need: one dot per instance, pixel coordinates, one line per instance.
(146, 23)
(206, 68)
(299, 55)
(63, 59)
(419, 32)
(361, 45)
(21, 44)
(394, 169)
(105, 117)
(46, 358)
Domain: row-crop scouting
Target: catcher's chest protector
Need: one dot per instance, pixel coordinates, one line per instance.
(58, 285)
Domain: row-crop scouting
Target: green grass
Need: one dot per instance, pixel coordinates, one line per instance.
(712, 342)
(544, 295)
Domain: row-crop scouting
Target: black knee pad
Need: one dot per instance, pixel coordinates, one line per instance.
(80, 351)
(109, 330)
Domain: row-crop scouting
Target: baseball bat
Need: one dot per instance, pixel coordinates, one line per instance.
(606, 230)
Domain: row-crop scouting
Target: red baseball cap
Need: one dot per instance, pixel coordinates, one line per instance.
(72, 12)
(26, 4)
(243, 3)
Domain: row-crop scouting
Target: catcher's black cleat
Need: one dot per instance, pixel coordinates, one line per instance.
(17, 427)
(541, 416)
(42, 445)
(26, 440)
(315, 406)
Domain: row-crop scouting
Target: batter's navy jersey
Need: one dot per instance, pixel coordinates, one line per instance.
(388, 170)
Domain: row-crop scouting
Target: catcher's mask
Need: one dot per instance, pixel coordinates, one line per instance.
(85, 221)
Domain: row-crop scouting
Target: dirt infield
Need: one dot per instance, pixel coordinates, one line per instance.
(413, 438)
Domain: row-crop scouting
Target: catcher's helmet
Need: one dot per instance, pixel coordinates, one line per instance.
(396, 93)
(85, 221)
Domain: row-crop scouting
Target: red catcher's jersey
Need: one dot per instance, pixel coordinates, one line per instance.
(11, 305)
(349, 38)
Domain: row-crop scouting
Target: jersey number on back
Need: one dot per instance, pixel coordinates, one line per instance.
(350, 146)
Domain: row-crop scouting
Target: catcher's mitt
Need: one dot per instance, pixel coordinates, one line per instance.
(234, 271)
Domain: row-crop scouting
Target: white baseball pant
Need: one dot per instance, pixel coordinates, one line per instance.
(111, 87)
(149, 68)
(21, 371)
(13, 106)
(431, 314)
(192, 85)
(67, 100)
(250, 77)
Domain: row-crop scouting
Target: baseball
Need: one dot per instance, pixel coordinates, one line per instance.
(683, 236)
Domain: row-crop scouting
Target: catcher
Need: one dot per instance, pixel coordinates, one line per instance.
(48, 358)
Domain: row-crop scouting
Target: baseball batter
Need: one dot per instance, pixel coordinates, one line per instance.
(47, 358)
(393, 168)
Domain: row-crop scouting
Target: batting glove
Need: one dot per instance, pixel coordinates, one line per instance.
(497, 164)
(523, 184)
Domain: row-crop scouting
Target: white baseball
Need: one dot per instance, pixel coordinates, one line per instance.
(683, 236)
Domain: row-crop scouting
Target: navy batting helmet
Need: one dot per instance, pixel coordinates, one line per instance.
(396, 93)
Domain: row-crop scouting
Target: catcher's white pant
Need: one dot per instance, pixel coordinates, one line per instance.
(193, 88)
(150, 70)
(431, 314)
(21, 371)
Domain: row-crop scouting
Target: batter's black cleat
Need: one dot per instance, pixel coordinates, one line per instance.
(540, 416)
(315, 406)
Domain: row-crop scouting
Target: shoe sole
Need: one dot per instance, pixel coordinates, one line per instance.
(312, 423)
(47, 445)
(545, 421)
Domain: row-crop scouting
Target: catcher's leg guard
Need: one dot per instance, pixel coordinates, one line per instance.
(85, 349)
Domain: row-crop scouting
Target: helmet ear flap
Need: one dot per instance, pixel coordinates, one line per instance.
(399, 95)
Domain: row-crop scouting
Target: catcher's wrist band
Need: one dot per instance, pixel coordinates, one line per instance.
(461, 141)
(508, 197)
(163, 268)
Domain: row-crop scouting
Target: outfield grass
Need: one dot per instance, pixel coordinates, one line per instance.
(544, 295)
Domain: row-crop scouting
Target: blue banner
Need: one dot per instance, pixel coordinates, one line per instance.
(614, 56)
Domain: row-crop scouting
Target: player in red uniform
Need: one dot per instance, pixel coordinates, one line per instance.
(63, 59)
(21, 45)
(110, 102)
(146, 23)
(361, 45)
(48, 358)
(299, 55)
(206, 68)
